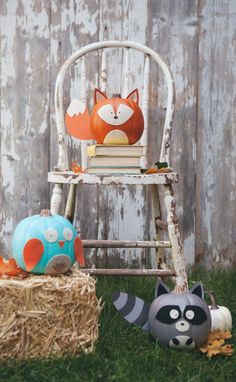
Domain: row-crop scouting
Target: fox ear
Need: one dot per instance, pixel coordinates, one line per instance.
(134, 96)
(99, 96)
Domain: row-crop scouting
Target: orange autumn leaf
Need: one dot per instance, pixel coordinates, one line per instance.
(76, 168)
(214, 351)
(215, 344)
(227, 350)
(155, 170)
(219, 334)
(8, 267)
(164, 170)
(151, 170)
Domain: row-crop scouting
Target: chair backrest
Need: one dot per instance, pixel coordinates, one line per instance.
(126, 45)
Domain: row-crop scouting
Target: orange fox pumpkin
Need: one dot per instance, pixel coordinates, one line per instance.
(117, 121)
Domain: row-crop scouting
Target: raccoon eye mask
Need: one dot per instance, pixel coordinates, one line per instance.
(177, 320)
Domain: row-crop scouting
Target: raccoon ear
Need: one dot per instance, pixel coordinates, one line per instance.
(99, 96)
(132, 308)
(134, 96)
(198, 290)
(161, 288)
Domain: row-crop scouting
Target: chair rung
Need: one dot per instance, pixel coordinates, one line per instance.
(129, 272)
(125, 244)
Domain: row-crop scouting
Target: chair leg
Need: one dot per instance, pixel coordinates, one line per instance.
(70, 204)
(176, 241)
(56, 199)
(156, 214)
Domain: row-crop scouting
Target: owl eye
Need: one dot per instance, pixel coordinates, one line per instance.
(68, 234)
(174, 314)
(189, 314)
(51, 235)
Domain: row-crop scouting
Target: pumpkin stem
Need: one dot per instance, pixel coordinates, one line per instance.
(45, 213)
(116, 95)
(212, 296)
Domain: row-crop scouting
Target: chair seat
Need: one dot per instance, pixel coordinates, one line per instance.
(69, 177)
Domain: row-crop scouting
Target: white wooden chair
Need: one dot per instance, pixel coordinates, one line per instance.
(61, 175)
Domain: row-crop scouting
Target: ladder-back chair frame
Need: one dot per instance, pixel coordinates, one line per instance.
(63, 175)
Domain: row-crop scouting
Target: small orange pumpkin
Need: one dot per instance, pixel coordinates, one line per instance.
(117, 121)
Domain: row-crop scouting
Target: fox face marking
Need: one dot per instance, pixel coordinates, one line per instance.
(115, 117)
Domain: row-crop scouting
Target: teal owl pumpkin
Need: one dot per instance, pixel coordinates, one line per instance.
(46, 244)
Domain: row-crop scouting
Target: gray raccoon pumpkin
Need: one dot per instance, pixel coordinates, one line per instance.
(177, 320)
(181, 320)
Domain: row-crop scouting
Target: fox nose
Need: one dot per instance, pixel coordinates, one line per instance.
(61, 243)
(115, 117)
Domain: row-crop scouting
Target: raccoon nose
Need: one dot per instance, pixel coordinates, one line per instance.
(115, 117)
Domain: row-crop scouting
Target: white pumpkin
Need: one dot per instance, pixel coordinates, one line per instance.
(221, 318)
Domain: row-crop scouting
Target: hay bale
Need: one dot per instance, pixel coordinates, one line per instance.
(43, 316)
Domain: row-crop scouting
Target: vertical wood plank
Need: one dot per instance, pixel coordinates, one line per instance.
(25, 75)
(120, 208)
(74, 24)
(176, 24)
(216, 154)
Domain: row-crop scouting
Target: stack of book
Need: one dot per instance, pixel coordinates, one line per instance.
(114, 159)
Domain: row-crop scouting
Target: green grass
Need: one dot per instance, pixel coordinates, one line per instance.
(126, 353)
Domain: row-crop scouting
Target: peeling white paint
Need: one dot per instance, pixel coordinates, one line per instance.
(7, 175)
(88, 20)
(43, 127)
(32, 21)
(189, 249)
(7, 28)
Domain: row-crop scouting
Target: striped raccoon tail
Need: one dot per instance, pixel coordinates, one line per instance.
(132, 308)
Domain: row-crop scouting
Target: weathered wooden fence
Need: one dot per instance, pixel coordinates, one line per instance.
(197, 39)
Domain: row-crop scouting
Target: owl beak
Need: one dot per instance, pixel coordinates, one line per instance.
(61, 243)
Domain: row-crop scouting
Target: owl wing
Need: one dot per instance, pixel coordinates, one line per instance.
(79, 253)
(32, 253)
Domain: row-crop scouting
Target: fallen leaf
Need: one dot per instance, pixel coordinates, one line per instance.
(76, 168)
(151, 170)
(215, 344)
(227, 350)
(164, 170)
(219, 334)
(155, 170)
(8, 267)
